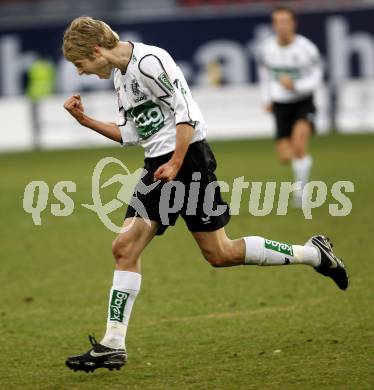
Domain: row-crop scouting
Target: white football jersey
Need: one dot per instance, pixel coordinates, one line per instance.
(300, 60)
(153, 97)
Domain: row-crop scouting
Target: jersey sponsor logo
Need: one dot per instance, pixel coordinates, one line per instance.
(148, 118)
(138, 94)
(280, 247)
(294, 73)
(165, 81)
(117, 305)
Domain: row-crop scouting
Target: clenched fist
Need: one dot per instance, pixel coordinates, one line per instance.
(287, 82)
(75, 107)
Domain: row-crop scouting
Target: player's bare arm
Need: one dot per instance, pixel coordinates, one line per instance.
(75, 107)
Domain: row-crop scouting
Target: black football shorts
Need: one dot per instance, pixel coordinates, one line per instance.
(198, 166)
(287, 114)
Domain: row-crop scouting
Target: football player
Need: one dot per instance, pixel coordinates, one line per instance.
(290, 71)
(158, 112)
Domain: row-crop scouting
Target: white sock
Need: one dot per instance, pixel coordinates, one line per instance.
(126, 286)
(301, 169)
(261, 251)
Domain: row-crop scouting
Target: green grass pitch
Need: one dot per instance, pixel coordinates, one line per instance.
(193, 326)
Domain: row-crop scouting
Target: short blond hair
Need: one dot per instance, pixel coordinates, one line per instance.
(83, 34)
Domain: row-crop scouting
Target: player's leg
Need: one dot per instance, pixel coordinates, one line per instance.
(302, 129)
(302, 161)
(127, 247)
(220, 251)
(209, 233)
(284, 150)
(300, 136)
(283, 115)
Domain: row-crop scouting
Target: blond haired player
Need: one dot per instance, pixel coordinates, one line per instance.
(158, 112)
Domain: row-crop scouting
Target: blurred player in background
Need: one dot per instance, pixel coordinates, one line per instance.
(290, 72)
(158, 112)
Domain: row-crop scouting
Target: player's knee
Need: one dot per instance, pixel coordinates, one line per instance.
(121, 248)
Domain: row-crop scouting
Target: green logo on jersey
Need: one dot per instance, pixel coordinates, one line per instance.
(280, 247)
(117, 305)
(165, 81)
(148, 118)
(293, 73)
